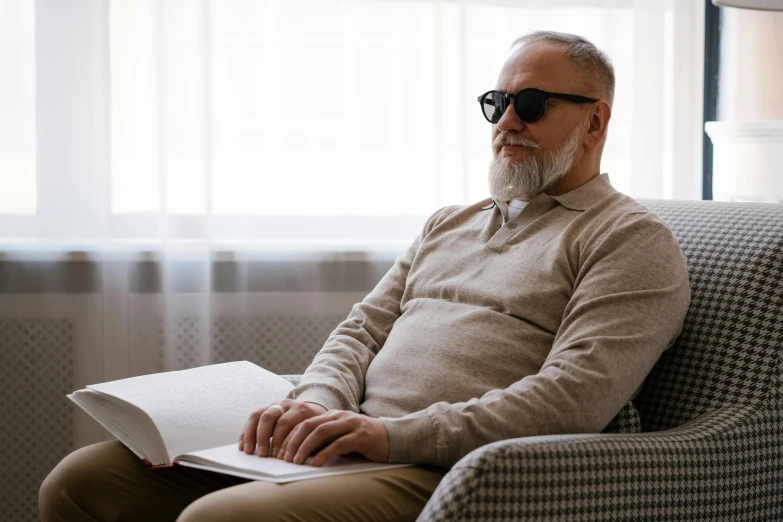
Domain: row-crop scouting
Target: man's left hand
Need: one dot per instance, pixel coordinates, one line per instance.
(338, 432)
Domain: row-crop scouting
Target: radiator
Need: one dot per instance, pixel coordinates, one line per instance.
(52, 344)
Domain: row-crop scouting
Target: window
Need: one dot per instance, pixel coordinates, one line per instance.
(307, 119)
(17, 106)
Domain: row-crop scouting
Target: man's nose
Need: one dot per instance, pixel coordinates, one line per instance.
(510, 121)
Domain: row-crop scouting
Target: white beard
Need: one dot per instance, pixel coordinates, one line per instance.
(530, 177)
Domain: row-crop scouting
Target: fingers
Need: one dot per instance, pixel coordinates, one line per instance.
(338, 433)
(296, 413)
(316, 433)
(269, 420)
(283, 429)
(297, 434)
(248, 438)
(258, 429)
(345, 444)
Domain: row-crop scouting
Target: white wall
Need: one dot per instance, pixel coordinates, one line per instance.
(748, 138)
(751, 69)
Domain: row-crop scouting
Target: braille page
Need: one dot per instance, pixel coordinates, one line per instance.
(229, 460)
(202, 407)
(130, 425)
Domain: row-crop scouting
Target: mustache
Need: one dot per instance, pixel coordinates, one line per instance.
(505, 138)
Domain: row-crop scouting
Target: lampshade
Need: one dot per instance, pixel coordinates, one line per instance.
(766, 5)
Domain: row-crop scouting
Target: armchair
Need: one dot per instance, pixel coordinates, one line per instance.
(711, 446)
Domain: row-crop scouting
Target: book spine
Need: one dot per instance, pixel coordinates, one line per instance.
(150, 466)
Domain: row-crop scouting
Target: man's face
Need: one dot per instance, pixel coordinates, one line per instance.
(528, 158)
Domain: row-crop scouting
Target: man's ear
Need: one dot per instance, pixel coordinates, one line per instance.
(598, 124)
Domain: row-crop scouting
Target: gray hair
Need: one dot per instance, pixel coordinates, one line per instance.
(588, 58)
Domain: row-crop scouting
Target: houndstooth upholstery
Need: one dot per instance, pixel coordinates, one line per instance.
(627, 420)
(711, 409)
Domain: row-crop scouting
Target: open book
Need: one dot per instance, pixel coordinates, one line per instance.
(194, 418)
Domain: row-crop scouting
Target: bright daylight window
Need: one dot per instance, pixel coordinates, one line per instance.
(17, 107)
(209, 119)
(321, 108)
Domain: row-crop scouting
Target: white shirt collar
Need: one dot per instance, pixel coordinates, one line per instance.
(511, 209)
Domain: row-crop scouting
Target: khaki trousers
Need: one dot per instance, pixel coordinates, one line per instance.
(107, 482)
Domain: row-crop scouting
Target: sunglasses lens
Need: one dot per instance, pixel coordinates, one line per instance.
(529, 104)
(494, 105)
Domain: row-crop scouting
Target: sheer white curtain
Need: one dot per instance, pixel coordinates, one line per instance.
(185, 182)
(302, 122)
(181, 178)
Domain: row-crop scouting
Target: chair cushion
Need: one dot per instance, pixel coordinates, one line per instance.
(627, 420)
(729, 351)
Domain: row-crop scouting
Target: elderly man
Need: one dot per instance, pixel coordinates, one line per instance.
(540, 311)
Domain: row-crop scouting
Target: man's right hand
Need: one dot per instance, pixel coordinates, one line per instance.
(269, 422)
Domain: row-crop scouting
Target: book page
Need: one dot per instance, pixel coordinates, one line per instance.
(136, 431)
(228, 459)
(202, 407)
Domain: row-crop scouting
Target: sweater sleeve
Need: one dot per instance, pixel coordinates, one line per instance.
(628, 306)
(335, 378)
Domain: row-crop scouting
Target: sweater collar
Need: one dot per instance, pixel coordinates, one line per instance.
(581, 198)
(587, 194)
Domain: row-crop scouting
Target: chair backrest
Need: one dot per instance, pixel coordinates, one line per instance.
(729, 351)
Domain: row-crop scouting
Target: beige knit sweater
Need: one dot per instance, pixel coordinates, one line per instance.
(484, 330)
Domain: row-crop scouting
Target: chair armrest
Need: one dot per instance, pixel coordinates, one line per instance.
(293, 379)
(726, 464)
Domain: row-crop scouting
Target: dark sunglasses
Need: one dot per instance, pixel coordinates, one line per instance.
(529, 104)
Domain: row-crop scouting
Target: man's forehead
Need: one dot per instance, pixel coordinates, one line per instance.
(540, 64)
